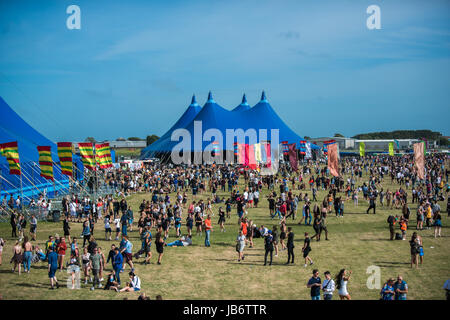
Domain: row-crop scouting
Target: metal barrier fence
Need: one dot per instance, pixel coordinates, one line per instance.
(43, 214)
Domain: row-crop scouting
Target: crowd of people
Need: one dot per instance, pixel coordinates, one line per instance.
(168, 207)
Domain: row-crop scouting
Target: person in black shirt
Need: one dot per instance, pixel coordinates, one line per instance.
(307, 249)
(111, 254)
(268, 246)
(271, 206)
(13, 222)
(66, 228)
(315, 283)
(372, 204)
(290, 245)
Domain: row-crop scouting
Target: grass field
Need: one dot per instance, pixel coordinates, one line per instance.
(357, 241)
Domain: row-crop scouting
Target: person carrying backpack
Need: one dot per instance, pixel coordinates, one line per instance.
(392, 221)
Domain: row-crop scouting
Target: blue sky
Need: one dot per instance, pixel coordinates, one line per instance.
(133, 66)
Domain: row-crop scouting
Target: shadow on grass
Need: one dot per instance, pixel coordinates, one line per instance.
(33, 285)
(390, 264)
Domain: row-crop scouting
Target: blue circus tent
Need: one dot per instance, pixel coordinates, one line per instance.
(191, 112)
(214, 116)
(14, 128)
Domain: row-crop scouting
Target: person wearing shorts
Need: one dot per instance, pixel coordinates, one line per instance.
(134, 284)
(52, 267)
(307, 249)
(108, 230)
(127, 252)
(241, 243)
(33, 227)
(73, 268)
(159, 241)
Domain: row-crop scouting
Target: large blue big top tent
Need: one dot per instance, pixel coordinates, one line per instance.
(213, 116)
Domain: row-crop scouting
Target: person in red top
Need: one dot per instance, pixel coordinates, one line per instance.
(244, 227)
(208, 228)
(61, 250)
(283, 211)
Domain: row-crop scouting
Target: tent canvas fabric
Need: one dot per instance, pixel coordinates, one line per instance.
(213, 116)
(14, 128)
(190, 113)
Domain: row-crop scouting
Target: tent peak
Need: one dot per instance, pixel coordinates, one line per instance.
(263, 96)
(210, 97)
(244, 99)
(193, 101)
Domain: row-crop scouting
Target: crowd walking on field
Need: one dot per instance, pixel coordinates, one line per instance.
(188, 202)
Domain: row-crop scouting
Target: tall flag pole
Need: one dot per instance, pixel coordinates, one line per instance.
(333, 164)
(325, 145)
(362, 149)
(308, 152)
(293, 156)
(391, 148)
(65, 158)
(258, 155)
(419, 159)
(45, 162)
(87, 155)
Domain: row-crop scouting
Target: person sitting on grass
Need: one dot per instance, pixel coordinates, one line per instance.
(111, 282)
(133, 285)
(184, 241)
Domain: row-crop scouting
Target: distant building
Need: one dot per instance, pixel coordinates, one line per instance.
(127, 144)
(344, 143)
(375, 145)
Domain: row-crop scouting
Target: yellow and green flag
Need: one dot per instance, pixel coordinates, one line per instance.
(87, 155)
(10, 150)
(45, 162)
(65, 158)
(362, 149)
(103, 155)
(391, 148)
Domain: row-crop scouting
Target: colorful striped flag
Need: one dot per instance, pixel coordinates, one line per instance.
(87, 155)
(303, 147)
(285, 147)
(216, 148)
(236, 148)
(65, 158)
(10, 150)
(326, 144)
(45, 162)
(103, 155)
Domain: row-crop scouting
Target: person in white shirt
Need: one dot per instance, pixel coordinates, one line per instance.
(107, 228)
(117, 223)
(328, 286)
(133, 285)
